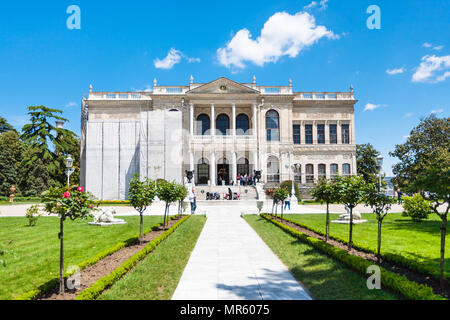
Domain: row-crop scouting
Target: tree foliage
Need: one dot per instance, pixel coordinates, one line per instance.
(11, 149)
(366, 160)
(325, 191)
(5, 126)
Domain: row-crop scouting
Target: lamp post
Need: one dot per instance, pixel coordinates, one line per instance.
(70, 169)
(380, 168)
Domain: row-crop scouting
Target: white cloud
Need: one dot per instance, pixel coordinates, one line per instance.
(437, 48)
(71, 104)
(323, 4)
(173, 57)
(437, 111)
(310, 6)
(371, 107)
(427, 45)
(282, 35)
(395, 71)
(408, 115)
(429, 68)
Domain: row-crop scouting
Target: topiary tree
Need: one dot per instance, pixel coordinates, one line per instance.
(281, 195)
(167, 192)
(68, 203)
(351, 191)
(380, 204)
(325, 191)
(182, 193)
(141, 195)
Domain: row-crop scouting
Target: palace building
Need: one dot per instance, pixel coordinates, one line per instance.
(218, 130)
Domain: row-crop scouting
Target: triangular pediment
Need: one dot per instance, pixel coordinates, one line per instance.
(223, 86)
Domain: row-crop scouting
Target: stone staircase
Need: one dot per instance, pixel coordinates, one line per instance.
(200, 192)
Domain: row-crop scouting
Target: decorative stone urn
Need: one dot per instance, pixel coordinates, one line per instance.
(12, 196)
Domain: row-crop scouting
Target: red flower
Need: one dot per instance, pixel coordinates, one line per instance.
(92, 206)
(66, 195)
(80, 189)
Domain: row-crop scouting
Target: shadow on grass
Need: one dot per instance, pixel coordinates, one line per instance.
(432, 227)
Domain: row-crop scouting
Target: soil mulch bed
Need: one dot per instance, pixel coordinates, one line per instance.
(105, 266)
(410, 274)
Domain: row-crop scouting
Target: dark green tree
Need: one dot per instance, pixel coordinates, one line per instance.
(5, 126)
(366, 160)
(351, 191)
(34, 177)
(11, 149)
(325, 191)
(141, 195)
(430, 137)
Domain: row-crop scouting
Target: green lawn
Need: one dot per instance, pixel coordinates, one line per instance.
(414, 240)
(157, 276)
(36, 249)
(323, 277)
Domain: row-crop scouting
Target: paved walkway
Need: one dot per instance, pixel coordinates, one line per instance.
(231, 262)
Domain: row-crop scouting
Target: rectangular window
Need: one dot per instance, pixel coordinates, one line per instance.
(345, 134)
(321, 133)
(309, 134)
(297, 134)
(333, 133)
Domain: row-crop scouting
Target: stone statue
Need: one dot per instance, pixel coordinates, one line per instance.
(345, 218)
(105, 216)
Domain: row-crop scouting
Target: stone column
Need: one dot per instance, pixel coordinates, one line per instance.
(315, 132)
(212, 168)
(327, 132)
(339, 133)
(213, 120)
(233, 122)
(255, 120)
(255, 160)
(234, 167)
(191, 161)
(191, 118)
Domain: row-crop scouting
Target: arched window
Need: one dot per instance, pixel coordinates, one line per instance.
(334, 170)
(322, 171)
(242, 125)
(346, 169)
(298, 174)
(203, 124)
(309, 173)
(273, 169)
(273, 126)
(223, 124)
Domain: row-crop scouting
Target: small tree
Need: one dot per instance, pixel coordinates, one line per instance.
(181, 195)
(281, 195)
(326, 192)
(141, 195)
(68, 203)
(350, 191)
(167, 192)
(380, 204)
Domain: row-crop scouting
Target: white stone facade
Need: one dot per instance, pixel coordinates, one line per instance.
(218, 129)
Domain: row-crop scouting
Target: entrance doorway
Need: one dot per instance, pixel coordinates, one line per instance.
(203, 172)
(223, 174)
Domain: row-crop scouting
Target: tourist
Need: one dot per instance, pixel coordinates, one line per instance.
(230, 194)
(399, 195)
(238, 179)
(287, 203)
(193, 200)
(246, 180)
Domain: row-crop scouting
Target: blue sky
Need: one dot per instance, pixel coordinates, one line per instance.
(42, 62)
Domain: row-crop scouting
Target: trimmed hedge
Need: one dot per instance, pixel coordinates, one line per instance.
(49, 285)
(95, 290)
(390, 257)
(399, 284)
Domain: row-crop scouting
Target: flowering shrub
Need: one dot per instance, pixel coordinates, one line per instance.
(68, 203)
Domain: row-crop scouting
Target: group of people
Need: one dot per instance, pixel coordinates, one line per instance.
(246, 179)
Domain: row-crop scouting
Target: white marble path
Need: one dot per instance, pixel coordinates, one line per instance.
(231, 262)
